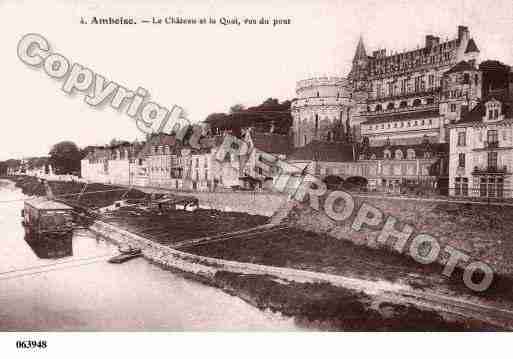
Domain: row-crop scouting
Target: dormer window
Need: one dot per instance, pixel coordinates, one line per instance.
(493, 110)
(398, 155)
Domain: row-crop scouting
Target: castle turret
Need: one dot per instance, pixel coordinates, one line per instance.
(359, 70)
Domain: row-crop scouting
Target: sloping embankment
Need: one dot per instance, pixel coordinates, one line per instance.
(478, 230)
(320, 299)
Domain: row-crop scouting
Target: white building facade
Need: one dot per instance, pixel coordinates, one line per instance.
(481, 152)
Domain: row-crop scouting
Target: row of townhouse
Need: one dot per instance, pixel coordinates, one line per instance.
(481, 141)
(164, 162)
(34, 166)
(386, 168)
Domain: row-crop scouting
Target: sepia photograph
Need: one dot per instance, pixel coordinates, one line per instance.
(277, 168)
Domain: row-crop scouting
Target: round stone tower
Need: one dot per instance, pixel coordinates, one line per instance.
(321, 110)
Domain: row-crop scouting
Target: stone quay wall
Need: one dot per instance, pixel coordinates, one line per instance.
(205, 268)
(256, 203)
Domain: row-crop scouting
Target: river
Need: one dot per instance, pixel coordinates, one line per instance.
(72, 287)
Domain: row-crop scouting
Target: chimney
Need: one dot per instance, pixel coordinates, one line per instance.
(379, 54)
(430, 39)
(462, 32)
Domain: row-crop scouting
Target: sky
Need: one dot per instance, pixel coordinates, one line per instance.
(207, 68)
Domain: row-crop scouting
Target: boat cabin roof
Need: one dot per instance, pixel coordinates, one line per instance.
(46, 204)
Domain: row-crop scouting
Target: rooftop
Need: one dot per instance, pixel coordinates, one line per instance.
(410, 115)
(460, 66)
(324, 151)
(46, 204)
(272, 142)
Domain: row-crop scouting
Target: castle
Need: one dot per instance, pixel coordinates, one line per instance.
(395, 98)
(391, 114)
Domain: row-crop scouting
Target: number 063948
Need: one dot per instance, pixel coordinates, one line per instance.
(31, 344)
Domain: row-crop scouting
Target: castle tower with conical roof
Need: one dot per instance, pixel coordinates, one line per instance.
(359, 70)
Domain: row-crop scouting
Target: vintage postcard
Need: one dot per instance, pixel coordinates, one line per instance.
(257, 166)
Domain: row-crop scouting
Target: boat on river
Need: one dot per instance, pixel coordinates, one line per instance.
(126, 255)
(44, 218)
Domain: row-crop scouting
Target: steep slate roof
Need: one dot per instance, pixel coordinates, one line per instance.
(402, 116)
(324, 151)
(272, 142)
(471, 47)
(360, 50)
(157, 140)
(459, 67)
(420, 149)
(478, 112)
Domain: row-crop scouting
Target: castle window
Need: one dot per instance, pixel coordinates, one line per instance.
(462, 138)
(461, 160)
(387, 154)
(416, 102)
(373, 157)
(403, 86)
(410, 154)
(476, 79)
(398, 155)
(466, 79)
(431, 80)
(453, 107)
(403, 104)
(427, 154)
(492, 137)
(390, 106)
(378, 107)
(492, 160)
(317, 93)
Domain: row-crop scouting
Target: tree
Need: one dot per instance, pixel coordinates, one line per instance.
(65, 157)
(270, 114)
(236, 108)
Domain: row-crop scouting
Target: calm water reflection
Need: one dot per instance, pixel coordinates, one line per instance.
(72, 287)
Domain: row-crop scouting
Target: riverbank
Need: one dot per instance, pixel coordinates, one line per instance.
(316, 300)
(317, 279)
(94, 196)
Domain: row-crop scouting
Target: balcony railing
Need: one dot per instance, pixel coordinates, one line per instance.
(491, 144)
(490, 169)
(409, 94)
(432, 106)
